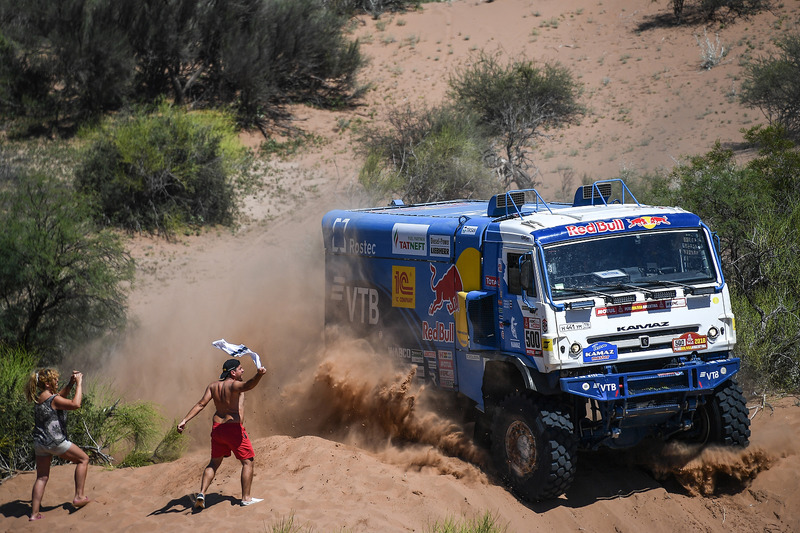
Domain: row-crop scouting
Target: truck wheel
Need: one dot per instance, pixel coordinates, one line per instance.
(533, 447)
(723, 419)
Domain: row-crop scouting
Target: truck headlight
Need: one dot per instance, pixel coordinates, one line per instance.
(575, 349)
(713, 333)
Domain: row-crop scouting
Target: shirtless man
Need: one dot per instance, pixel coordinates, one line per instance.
(227, 433)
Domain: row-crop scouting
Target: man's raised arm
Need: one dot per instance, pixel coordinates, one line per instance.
(242, 386)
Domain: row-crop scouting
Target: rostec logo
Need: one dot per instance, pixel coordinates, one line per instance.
(403, 284)
(647, 222)
(595, 227)
(445, 290)
(410, 239)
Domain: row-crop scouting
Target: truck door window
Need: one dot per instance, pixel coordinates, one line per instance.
(514, 286)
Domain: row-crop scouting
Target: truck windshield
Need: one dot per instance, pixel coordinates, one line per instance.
(626, 262)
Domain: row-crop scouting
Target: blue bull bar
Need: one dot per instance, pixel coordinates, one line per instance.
(700, 377)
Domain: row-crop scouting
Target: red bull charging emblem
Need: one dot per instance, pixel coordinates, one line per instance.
(445, 290)
(648, 222)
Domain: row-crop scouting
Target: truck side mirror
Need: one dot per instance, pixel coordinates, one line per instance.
(526, 274)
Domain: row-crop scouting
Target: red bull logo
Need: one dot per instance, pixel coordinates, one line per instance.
(595, 227)
(445, 290)
(647, 222)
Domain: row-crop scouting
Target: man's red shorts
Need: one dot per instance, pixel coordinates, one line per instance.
(231, 437)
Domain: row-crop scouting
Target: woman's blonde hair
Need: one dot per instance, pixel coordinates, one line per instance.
(38, 382)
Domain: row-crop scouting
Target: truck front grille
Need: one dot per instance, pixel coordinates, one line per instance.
(630, 341)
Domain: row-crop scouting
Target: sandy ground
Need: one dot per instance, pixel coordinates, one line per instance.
(331, 425)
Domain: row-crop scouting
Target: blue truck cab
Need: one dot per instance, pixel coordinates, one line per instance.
(589, 324)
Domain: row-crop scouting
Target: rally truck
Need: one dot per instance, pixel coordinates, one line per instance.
(563, 326)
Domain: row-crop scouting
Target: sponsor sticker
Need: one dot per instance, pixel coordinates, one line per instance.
(410, 239)
(689, 342)
(439, 245)
(647, 222)
(595, 227)
(599, 352)
(533, 336)
(640, 306)
(403, 287)
(469, 230)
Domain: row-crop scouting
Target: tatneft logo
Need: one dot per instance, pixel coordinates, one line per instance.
(410, 239)
(403, 287)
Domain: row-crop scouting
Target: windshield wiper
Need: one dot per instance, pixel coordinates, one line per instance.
(688, 289)
(649, 294)
(608, 298)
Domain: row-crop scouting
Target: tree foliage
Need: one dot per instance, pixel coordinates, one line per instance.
(61, 282)
(426, 156)
(706, 10)
(753, 209)
(66, 59)
(518, 102)
(159, 171)
(773, 85)
(74, 60)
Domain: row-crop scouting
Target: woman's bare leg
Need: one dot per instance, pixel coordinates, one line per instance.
(42, 475)
(81, 460)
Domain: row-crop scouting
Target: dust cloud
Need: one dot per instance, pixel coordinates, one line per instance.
(358, 397)
(704, 470)
(265, 289)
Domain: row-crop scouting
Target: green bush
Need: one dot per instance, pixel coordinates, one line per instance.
(773, 85)
(753, 209)
(426, 156)
(62, 283)
(517, 102)
(157, 172)
(16, 414)
(103, 426)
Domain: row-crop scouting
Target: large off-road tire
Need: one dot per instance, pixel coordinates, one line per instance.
(533, 447)
(723, 420)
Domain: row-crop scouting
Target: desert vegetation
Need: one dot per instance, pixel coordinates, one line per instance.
(751, 206)
(129, 124)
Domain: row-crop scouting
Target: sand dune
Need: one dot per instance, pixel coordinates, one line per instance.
(344, 442)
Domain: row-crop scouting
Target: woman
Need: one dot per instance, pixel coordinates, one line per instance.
(50, 432)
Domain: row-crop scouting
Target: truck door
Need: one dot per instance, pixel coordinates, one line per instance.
(520, 327)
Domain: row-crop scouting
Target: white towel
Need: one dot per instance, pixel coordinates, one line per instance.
(237, 350)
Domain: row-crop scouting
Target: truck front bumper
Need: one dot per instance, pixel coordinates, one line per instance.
(698, 377)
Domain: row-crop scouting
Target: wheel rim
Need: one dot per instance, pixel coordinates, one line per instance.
(520, 448)
(701, 426)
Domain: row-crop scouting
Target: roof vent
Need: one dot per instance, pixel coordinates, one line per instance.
(589, 190)
(516, 198)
